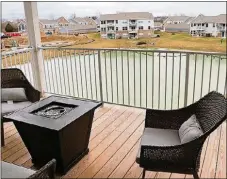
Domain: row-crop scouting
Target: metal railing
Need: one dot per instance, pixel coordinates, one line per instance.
(20, 58)
(140, 78)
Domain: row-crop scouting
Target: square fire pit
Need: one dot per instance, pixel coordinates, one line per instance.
(56, 127)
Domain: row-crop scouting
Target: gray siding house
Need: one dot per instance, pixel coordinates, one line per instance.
(126, 25)
(209, 26)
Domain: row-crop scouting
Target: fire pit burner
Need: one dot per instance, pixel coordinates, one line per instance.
(54, 110)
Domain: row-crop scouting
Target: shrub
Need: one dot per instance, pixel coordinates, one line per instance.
(141, 43)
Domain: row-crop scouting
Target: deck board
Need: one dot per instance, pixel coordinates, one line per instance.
(114, 142)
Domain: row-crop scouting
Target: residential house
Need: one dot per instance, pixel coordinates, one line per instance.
(62, 22)
(79, 25)
(177, 24)
(177, 19)
(47, 25)
(78, 29)
(126, 25)
(209, 26)
(22, 27)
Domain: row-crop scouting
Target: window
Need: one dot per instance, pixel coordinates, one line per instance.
(206, 25)
(140, 21)
(116, 28)
(213, 24)
(103, 29)
(202, 24)
(116, 21)
(103, 22)
(124, 28)
(191, 25)
(124, 22)
(133, 28)
(149, 27)
(141, 27)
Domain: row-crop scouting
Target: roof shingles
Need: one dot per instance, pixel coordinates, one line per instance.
(127, 16)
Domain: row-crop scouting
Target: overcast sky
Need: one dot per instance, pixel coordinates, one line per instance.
(14, 10)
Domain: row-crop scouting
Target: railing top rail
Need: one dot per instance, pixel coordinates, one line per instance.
(16, 51)
(141, 50)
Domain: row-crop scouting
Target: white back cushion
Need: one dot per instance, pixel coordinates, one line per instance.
(190, 130)
(13, 94)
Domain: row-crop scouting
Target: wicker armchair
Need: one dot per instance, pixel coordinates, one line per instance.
(210, 111)
(14, 78)
(47, 171)
(10, 170)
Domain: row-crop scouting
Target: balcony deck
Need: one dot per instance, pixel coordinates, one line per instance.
(114, 142)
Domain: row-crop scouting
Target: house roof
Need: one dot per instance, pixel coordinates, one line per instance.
(58, 19)
(212, 19)
(47, 21)
(178, 18)
(189, 19)
(221, 18)
(87, 20)
(78, 19)
(127, 16)
(77, 28)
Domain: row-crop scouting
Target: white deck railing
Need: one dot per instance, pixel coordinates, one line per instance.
(161, 79)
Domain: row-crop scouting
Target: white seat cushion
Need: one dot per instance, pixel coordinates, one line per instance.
(8, 108)
(13, 171)
(159, 137)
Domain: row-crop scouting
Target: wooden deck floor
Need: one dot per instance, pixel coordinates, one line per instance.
(114, 142)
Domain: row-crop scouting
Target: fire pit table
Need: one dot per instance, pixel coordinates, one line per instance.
(56, 127)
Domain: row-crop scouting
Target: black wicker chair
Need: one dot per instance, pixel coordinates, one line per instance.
(13, 171)
(47, 171)
(14, 78)
(182, 158)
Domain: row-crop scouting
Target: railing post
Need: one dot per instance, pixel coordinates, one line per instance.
(32, 19)
(100, 76)
(186, 80)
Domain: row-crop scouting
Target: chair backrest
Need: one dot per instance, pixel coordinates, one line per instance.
(15, 78)
(211, 111)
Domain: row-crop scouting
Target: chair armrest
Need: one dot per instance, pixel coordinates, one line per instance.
(47, 171)
(33, 94)
(168, 119)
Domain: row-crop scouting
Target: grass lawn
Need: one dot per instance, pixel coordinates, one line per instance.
(182, 41)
